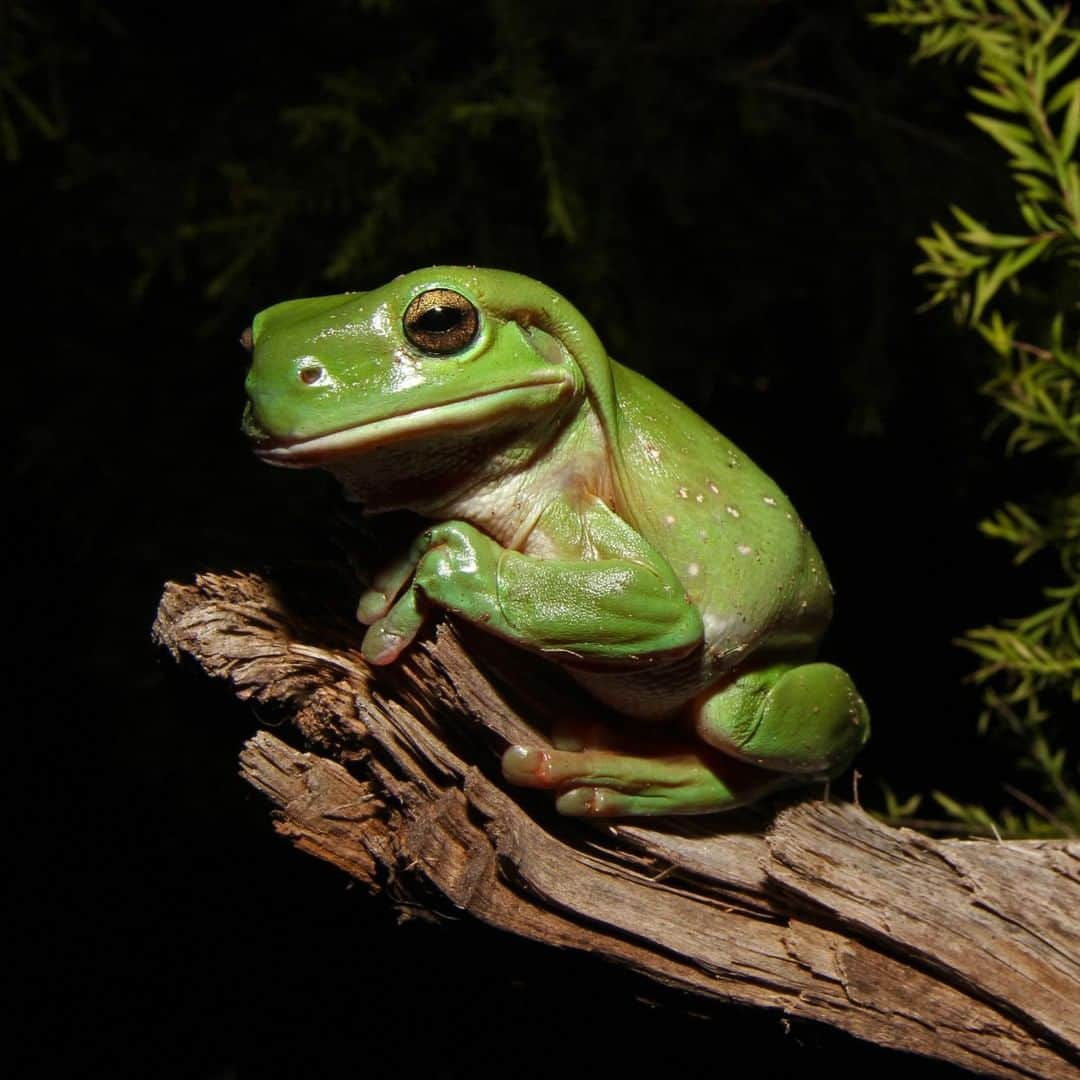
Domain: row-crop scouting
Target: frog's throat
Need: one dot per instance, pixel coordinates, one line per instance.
(476, 412)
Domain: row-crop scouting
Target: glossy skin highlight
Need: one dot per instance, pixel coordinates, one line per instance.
(578, 511)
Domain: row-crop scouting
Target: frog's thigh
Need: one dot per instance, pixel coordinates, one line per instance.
(808, 719)
(606, 783)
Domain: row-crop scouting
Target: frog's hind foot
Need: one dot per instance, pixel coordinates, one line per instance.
(605, 783)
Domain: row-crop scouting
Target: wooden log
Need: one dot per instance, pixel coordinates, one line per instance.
(966, 951)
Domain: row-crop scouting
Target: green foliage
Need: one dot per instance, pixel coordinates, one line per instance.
(529, 136)
(395, 147)
(971, 819)
(22, 57)
(1025, 58)
(33, 61)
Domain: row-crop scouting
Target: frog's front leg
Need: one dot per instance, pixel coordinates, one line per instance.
(807, 719)
(621, 605)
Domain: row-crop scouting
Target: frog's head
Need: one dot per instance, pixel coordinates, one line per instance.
(425, 375)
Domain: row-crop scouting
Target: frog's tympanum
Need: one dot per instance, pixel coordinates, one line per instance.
(578, 511)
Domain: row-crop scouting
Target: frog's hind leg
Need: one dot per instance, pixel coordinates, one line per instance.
(808, 720)
(686, 779)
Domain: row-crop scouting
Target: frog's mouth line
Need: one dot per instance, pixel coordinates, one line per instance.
(475, 411)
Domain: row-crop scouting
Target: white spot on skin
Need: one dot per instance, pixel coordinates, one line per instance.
(381, 322)
(715, 626)
(652, 451)
(693, 569)
(768, 500)
(683, 493)
(669, 519)
(713, 488)
(744, 549)
(405, 374)
(733, 511)
(699, 498)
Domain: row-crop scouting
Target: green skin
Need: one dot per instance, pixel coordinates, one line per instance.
(580, 512)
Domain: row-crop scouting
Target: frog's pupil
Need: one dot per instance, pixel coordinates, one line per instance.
(439, 319)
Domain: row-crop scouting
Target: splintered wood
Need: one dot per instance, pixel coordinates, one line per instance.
(962, 950)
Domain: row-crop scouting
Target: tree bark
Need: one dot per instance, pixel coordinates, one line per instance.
(961, 950)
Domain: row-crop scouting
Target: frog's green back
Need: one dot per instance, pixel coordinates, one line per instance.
(730, 534)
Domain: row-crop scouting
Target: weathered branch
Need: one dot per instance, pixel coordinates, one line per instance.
(968, 951)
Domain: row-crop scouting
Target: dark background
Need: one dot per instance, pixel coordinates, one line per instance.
(731, 192)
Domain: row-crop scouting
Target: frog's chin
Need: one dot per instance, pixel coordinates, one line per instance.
(479, 413)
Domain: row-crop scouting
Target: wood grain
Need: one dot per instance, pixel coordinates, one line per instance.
(963, 950)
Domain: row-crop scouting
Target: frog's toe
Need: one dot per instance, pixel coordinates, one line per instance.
(387, 638)
(607, 802)
(540, 767)
(533, 766)
(373, 605)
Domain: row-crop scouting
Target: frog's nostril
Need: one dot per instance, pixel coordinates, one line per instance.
(311, 374)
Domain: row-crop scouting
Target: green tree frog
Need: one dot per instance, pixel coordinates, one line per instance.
(578, 511)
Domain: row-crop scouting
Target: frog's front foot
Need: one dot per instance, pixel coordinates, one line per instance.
(392, 623)
(450, 565)
(606, 783)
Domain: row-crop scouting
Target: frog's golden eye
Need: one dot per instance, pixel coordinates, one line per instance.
(441, 321)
